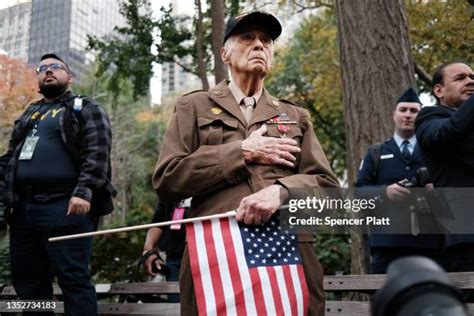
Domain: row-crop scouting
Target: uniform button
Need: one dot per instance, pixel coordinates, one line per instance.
(407, 168)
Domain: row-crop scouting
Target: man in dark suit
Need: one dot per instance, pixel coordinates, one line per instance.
(381, 172)
(446, 137)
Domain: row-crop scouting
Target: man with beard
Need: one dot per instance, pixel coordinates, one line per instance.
(446, 136)
(55, 178)
(238, 147)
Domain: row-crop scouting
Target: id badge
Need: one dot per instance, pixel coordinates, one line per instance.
(178, 214)
(28, 148)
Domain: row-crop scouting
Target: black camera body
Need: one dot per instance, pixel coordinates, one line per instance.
(421, 178)
(420, 198)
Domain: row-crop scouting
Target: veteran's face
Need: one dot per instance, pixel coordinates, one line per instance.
(249, 52)
(458, 85)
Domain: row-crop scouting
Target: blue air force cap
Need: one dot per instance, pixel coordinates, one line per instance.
(409, 95)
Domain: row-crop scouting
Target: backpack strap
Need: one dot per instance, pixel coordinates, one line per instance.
(374, 152)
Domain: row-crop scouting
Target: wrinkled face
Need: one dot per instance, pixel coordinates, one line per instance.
(54, 76)
(404, 117)
(458, 85)
(249, 52)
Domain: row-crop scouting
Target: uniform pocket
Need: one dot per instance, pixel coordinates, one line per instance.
(211, 130)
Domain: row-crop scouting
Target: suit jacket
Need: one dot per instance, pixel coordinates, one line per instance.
(393, 168)
(446, 138)
(202, 157)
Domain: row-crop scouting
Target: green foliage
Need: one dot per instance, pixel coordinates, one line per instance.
(440, 31)
(115, 257)
(334, 253)
(306, 72)
(129, 51)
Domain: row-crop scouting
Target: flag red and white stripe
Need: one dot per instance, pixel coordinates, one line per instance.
(232, 275)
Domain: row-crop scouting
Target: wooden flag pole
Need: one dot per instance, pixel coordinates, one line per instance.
(138, 227)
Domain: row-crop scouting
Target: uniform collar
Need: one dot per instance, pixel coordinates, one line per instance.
(399, 140)
(267, 106)
(239, 95)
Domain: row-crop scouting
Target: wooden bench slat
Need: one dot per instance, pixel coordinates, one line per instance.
(118, 288)
(119, 308)
(140, 308)
(373, 282)
(145, 288)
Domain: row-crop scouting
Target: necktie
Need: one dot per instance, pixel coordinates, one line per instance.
(248, 104)
(405, 152)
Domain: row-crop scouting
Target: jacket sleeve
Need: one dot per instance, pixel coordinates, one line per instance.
(366, 179)
(313, 169)
(185, 168)
(434, 128)
(95, 139)
(12, 144)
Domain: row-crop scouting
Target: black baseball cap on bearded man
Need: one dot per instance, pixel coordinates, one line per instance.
(266, 21)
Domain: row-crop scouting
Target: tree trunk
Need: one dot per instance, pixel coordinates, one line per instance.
(201, 58)
(376, 67)
(218, 25)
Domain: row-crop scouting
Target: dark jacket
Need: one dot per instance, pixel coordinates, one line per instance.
(393, 168)
(446, 138)
(86, 135)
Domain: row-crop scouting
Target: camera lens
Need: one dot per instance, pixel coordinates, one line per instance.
(417, 286)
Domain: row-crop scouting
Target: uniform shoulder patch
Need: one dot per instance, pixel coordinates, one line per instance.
(183, 99)
(194, 91)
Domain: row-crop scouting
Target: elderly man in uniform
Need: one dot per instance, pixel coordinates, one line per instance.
(219, 150)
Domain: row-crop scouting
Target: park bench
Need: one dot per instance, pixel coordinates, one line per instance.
(338, 288)
(113, 297)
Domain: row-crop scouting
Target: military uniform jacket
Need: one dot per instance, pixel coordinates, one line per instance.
(393, 168)
(446, 138)
(202, 156)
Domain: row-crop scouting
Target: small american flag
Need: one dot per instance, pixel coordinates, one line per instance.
(246, 270)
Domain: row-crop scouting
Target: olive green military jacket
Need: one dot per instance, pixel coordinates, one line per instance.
(202, 157)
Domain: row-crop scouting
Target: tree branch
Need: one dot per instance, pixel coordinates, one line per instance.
(316, 5)
(423, 75)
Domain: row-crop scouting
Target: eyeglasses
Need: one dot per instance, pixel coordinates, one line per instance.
(53, 67)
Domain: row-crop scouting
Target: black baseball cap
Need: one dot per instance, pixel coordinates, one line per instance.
(266, 21)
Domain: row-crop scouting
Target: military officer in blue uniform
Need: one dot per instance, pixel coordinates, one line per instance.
(381, 172)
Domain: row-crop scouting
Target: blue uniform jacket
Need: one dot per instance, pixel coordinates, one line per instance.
(393, 168)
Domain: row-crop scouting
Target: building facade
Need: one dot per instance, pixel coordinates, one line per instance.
(15, 29)
(60, 27)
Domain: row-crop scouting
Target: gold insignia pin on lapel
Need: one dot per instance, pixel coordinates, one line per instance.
(216, 110)
(275, 103)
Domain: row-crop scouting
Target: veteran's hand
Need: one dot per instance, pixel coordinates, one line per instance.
(78, 206)
(396, 192)
(260, 206)
(267, 150)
